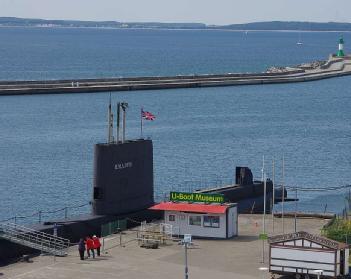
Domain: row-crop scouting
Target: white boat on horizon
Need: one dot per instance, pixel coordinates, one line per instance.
(299, 42)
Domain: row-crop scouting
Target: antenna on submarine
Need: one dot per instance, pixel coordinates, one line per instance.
(124, 106)
(110, 123)
(118, 120)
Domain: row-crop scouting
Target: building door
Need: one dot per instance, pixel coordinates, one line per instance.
(342, 262)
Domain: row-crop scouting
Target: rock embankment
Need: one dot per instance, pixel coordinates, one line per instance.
(305, 66)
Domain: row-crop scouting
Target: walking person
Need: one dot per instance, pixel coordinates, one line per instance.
(97, 244)
(90, 246)
(81, 248)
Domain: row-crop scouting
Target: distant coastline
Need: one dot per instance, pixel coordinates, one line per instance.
(178, 29)
(254, 26)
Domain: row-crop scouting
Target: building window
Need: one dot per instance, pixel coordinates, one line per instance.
(211, 221)
(195, 220)
(171, 218)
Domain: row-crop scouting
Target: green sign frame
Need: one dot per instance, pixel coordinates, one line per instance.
(196, 197)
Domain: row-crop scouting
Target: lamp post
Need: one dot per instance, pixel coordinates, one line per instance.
(283, 195)
(264, 215)
(263, 235)
(264, 202)
(273, 198)
(295, 223)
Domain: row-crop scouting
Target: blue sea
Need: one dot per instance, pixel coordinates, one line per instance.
(200, 135)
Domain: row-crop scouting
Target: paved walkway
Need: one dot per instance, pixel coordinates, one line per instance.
(238, 258)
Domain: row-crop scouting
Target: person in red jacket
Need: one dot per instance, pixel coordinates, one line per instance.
(97, 244)
(90, 246)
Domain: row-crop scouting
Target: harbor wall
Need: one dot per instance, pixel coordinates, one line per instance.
(145, 78)
(168, 82)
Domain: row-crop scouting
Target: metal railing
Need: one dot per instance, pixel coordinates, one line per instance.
(41, 214)
(113, 227)
(34, 239)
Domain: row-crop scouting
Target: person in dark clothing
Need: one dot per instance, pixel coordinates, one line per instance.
(81, 248)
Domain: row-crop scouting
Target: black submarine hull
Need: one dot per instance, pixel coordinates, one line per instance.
(247, 193)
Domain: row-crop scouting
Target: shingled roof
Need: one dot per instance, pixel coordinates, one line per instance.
(304, 235)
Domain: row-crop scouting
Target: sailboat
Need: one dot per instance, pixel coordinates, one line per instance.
(299, 42)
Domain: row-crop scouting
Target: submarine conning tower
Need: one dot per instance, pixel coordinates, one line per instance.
(123, 172)
(243, 176)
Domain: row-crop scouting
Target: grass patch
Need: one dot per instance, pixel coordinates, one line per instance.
(339, 230)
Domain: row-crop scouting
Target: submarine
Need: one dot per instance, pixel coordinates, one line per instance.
(249, 193)
(123, 189)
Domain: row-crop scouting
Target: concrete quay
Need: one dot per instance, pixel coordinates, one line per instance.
(239, 257)
(333, 67)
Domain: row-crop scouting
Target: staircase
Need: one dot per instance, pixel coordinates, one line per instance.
(34, 239)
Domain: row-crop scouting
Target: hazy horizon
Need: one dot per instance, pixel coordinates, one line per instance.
(221, 12)
(170, 22)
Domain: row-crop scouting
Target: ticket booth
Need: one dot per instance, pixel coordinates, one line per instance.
(201, 219)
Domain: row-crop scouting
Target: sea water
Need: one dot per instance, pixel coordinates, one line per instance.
(200, 135)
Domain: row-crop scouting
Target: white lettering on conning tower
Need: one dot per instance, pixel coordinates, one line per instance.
(121, 166)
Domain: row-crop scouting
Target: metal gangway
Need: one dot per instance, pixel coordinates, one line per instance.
(38, 240)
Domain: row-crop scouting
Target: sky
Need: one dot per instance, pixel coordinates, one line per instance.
(204, 11)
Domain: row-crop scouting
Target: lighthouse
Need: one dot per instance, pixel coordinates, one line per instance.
(341, 48)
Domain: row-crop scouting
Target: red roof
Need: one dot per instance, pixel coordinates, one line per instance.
(190, 207)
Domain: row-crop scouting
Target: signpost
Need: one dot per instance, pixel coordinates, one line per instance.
(186, 241)
(196, 197)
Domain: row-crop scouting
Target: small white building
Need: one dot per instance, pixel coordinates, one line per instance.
(201, 220)
(303, 255)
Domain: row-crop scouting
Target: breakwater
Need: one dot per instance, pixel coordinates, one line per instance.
(334, 67)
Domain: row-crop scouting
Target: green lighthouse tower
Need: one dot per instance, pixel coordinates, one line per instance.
(341, 48)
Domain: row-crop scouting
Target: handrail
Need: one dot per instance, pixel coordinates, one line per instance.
(41, 212)
(34, 239)
(12, 231)
(28, 230)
